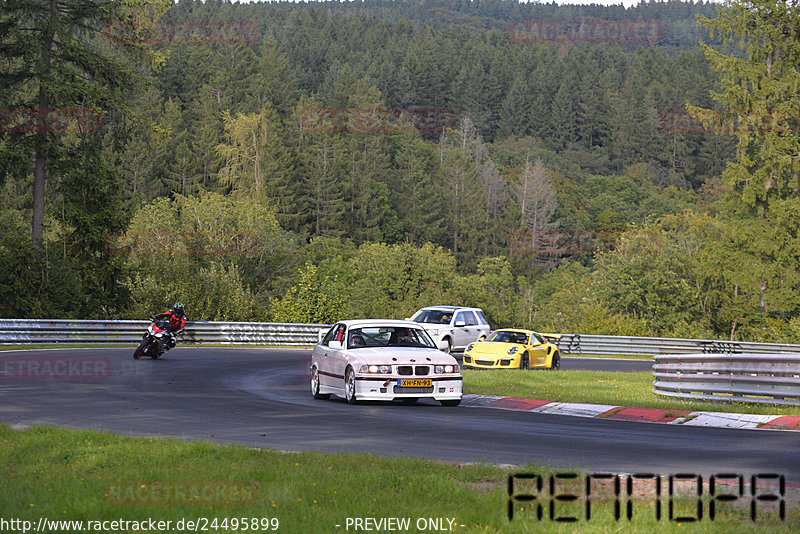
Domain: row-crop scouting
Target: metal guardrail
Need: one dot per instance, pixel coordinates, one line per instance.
(751, 378)
(56, 331)
(647, 346)
(62, 331)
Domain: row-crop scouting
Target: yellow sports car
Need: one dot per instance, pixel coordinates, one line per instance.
(513, 349)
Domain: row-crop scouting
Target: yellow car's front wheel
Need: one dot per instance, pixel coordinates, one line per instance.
(555, 362)
(525, 362)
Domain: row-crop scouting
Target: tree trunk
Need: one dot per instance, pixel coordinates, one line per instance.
(38, 196)
(40, 162)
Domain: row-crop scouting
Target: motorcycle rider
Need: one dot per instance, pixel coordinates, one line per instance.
(177, 321)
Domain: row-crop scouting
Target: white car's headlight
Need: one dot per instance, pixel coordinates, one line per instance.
(376, 369)
(445, 369)
(513, 350)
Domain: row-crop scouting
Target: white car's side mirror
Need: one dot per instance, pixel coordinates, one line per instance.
(461, 323)
(336, 345)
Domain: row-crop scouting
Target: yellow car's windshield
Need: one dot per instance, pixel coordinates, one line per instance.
(504, 336)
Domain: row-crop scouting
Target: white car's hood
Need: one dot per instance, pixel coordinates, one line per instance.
(403, 355)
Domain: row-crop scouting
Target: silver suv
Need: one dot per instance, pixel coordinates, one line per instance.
(452, 327)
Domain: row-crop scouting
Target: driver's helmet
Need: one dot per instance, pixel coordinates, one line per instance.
(178, 310)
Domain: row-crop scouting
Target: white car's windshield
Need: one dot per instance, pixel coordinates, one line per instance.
(503, 336)
(388, 336)
(433, 316)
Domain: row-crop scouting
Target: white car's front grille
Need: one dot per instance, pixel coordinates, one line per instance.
(416, 370)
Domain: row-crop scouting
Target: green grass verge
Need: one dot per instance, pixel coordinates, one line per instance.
(596, 387)
(90, 476)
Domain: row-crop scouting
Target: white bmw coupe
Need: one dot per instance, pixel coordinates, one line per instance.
(373, 359)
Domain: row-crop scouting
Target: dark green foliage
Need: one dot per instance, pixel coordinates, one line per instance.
(37, 286)
(92, 213)
(357, 213)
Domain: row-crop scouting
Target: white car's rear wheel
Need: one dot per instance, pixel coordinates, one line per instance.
(350, 386)
(454, 402)
(315, 386)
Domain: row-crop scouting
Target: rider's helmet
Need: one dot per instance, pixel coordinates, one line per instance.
(177, 309)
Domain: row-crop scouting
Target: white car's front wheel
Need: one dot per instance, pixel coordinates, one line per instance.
(315, 386)
(350, 386)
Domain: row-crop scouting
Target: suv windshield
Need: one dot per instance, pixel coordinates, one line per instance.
(388, 336)
(433, 316)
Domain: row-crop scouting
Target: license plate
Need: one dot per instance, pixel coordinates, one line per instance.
(414, 382)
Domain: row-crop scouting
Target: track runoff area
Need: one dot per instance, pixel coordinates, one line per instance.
(260, 398)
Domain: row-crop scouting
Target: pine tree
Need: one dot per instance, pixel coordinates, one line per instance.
(417, 197)
(49, 54)
(760, 92)
(254, 154)
(515, 112)
(762, 95)
(536, 197)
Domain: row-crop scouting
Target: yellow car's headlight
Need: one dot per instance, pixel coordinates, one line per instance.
(513, 350)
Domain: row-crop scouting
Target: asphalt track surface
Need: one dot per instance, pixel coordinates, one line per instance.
(261, 398)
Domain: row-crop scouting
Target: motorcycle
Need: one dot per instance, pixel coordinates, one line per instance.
(154, 340)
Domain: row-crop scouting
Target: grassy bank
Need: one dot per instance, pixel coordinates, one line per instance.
(76, 475)
(596, 387)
